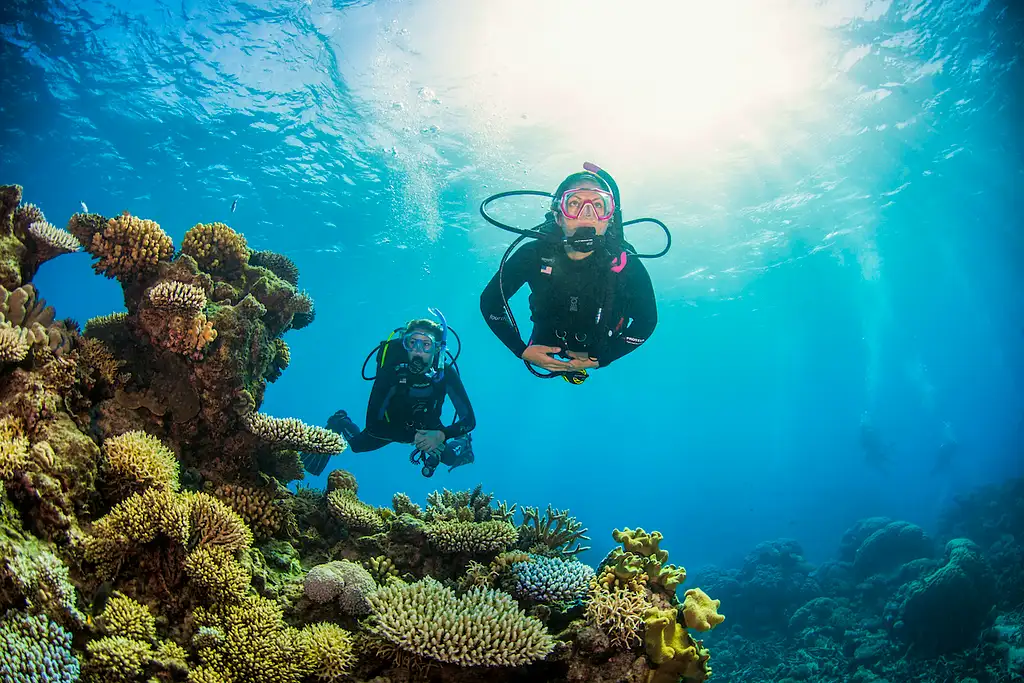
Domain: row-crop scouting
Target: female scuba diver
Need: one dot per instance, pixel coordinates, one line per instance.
(591, 298)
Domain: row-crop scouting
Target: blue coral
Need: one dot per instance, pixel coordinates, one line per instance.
(550, 580)
(35, 649)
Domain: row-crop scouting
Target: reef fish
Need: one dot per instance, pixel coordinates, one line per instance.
(85, 209)
(234, 205)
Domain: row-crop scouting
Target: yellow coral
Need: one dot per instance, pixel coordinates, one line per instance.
(700, 612)
(135, 521)
(381, 568)
(641, 543)
(14, 447)
(484, 627)
(330, 651)
(138, 460)
(257, 645)
(215, 524)
(205, 674)
(215, 570)
(353, 513)
(124, 617)
(128, 247)
(115, 659)
(178, 295)
(471, 537)
(216, 247)
(672, 649)
(255, 506)
(618, 609)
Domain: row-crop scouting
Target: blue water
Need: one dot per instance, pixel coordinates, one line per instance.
(842, 180)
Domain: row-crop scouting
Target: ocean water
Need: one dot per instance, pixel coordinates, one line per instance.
(842, 180)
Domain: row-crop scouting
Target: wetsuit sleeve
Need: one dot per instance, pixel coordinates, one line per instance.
(465, 420)
(376, 424)
(513, 276)
(642, 308)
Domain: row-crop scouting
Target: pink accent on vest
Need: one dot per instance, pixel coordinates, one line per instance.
(619, 263)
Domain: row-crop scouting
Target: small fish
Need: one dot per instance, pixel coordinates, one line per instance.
(234, 205)
(100, 597)
(85, 208)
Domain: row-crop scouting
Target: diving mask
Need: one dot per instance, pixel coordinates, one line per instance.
(417, 341)
(584, 202)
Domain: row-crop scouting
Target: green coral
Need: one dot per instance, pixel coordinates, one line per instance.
(329, 650)
(471, 537)
(675, 653)
(115, 659)
(641, 554)
(125, 617)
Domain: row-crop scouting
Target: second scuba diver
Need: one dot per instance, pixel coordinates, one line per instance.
(591, 298)
(413, 378)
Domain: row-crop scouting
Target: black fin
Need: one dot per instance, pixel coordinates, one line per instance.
(315, 462)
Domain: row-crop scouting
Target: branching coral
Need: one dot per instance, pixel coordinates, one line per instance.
(41, 579)
(215, 524)
(471, 537)
(463, 506)
(342, 480)
(136, 460)
(14, 346)
(294, 434)
(181, 296)
(14, 447)
(354, 514)
(216, 248)
(52, 241)
(618, 609)
(330, 650)
(215, 570)
(249, 642)
(381, 568)
(126, 247)
(482, 628)
(550, 580)
(255, 506)
(552, 533)
(115, 659)
(125, 617)
(35, 649)
(282, 358)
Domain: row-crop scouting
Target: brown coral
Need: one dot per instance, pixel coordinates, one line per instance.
(342, 480)
(14, 346)
(129, 247)
(178, 295)
(290, 433)
(216, 248)
(137, 460)
(255, 506)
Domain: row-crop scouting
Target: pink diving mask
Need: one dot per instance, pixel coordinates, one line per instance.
(573, 203)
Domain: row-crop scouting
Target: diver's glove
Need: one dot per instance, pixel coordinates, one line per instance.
(341, 423)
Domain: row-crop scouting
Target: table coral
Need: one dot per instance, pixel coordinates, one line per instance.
(294, 434)
(484, 627)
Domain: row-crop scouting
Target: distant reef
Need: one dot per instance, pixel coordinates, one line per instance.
(147, 531)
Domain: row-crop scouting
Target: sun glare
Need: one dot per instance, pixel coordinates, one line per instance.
(623, 77)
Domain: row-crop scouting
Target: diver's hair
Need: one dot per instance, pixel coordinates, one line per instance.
(425, 325)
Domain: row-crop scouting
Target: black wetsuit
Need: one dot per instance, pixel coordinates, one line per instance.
(402, 402)
(566, 298)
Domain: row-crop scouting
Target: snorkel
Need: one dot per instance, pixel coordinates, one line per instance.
(437, 372)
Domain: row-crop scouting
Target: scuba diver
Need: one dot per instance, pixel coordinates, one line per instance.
(591, 298)
(415, 373)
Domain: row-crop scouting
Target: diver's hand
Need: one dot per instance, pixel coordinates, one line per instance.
(584, 363)
(543, 357)
(429, 440)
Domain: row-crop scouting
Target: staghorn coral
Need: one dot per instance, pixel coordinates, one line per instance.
(345, 581)
(35, 649)
(216, 248)
(126, 247)
(354, 514)
(181, 296)
(403, 505)
(551, 533)
(550, 580)
(482, 628)
(463, 506)
(700, 612)
(293, 434)
(278, 264)
(124, 617)
(618, 609)
(330, 650)
(136, 460)
(471, 537)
